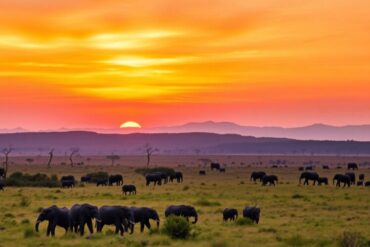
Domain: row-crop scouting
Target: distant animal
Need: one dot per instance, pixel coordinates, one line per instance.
(143, 215)
(2, 185)
(182, 210)
(68, 181)
(154, 178)
(202, 172)
(129, 188)
(102, 182)
(352, 166)
(308, 176)
(360, 183)
(67, 184)
(230, 214)
(269, 179)
(352, 176)
(81, 215)
(274, 166)
(121, 217)
(252, 213)
(178, 176)
(339, 167)
(222, 170)
(257, 176)
(216, 166)
(340, 178)
(86, 179)
(322, 180)
(56, 217)
(308, 168)
(361, 177)
(325, 167)
(115, 179)
(300, 168)
(367, 184)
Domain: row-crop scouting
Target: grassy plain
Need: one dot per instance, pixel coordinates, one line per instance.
(291, 214)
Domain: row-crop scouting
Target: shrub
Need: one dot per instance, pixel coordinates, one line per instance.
(25, 202)
(351, 239)
(186, 188)
(144, 171)
(36, 180)
(97, 175)
(29, 233)
(177, 227)
(244, 222)
(219, 244)
(25, 221)
(205, 203)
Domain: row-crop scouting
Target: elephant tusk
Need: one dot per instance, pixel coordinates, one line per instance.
(131, 222)
(38, 222)
(98, 220)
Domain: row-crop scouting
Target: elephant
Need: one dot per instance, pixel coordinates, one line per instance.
(352, 166)
(216, 166)
(86, 179)
(360, 183)
(352, 176)
(271, 179)
(222, 170)
(56, 217)
(202, 173)
(129, 188)
(230, 214)
(153, 177)
(182, 210)
(81, 215)
(308, 168)
(164, 176)
(178, 176)
(120, 216)
(252, 213)
(143, 215)
(325, 167)
(361, 177)
(68, 178)
(367, 184)
(257, 175)
(67, 184)
(2, 185)
(300, 168)
(322, 180)
(115, 179)
(307, 176)
(340, 178)
(102, 182)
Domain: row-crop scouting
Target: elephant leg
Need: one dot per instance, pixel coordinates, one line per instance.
(90, 226)
(48, 230)
(82, 228)
(147, 224)
(52, 228)
(121, 229)
(141, 226)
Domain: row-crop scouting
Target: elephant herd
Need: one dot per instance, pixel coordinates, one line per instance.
(264, 178)
(123, 218)
(346, 179)
(157, 178)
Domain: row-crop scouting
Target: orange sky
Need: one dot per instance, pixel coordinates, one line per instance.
(100, 63)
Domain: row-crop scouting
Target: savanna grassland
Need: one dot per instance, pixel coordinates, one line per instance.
(291, 214)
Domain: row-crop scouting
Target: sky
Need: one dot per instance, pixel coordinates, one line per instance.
(97, 64)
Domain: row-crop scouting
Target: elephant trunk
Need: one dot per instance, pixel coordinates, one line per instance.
(195, 219)
(158, 223)
(37, 225)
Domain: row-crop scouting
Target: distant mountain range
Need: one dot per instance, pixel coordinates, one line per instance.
(171, 143)
(311, 132)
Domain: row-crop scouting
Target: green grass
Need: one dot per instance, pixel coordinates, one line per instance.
(291, 215)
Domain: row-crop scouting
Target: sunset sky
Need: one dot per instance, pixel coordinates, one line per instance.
(97, 64)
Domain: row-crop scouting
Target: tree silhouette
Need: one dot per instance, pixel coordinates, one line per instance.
(149, 150)
(51, 155)
(6, 152)
(113, 158)
(74, 151)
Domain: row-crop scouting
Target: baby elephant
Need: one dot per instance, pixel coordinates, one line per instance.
(322, 180)
(252, 213)
(129, 188)
(230, 214)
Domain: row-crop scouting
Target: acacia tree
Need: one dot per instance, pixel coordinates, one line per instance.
(113, 158)
(51, 155)
(149, 150)
(74, 151)
(6, 152)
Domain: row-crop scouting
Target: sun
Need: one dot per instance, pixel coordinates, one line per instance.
(130, 124)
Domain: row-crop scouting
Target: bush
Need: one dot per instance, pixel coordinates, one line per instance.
(244, 222)
(95, 176)
(352, 239)
(36, 180)
(205, 203)
(25, 202)
(144, 171)
(177, 227)
(29, 233)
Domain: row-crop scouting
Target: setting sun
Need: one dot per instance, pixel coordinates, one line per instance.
(130, 124)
